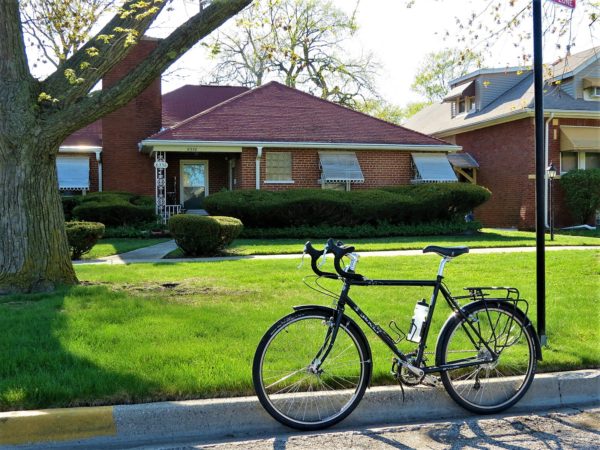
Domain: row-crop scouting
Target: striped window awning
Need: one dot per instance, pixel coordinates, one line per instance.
(579, 138)
(433, 168)
(340, 167)
(73, 172)
(463, 160)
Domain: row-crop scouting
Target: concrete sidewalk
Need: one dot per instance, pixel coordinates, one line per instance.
(135, 425)
(155, 253)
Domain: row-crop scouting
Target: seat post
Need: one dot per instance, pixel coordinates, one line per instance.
(443, 262)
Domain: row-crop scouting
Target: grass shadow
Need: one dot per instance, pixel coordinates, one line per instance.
(46, 360)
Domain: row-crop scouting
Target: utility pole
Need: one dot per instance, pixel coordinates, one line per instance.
(540, 170)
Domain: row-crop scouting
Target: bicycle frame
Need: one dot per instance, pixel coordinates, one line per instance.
(438, 287)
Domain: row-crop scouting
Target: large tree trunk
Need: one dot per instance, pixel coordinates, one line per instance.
(34, 254)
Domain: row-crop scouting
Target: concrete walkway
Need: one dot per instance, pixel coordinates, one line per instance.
(155, 253)
(128, 426)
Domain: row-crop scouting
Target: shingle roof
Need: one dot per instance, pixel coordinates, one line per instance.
(276, 113)
(571, 63)
(437, 118)
(189, 100)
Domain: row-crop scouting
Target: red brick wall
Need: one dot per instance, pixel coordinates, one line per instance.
(505, 154)
(124, 167)
(380, 168)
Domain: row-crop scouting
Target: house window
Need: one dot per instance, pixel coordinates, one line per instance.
(279, 167)
(579, 160)
(592, 160)
(462, 105)
(73, 173)
(568, 161)
(471, 104)
(344, 187)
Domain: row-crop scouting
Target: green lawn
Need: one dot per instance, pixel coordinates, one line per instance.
(487, 238)
(115, 246)
(150, 332)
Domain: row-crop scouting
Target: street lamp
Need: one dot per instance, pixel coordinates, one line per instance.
(551, 172)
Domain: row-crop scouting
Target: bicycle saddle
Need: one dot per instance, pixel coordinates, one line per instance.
(450, 252)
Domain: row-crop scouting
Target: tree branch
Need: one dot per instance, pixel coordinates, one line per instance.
(93, 107)
(110, 52)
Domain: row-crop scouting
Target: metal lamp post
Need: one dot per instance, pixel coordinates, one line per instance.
(551, 172)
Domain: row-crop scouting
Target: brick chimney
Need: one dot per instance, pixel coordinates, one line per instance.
(125, 168)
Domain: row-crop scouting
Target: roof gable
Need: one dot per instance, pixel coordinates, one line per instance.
(277, 113)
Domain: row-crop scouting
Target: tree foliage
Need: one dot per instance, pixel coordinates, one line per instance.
(297, 42)
(57, 28)
(439, 68)
(390, 112)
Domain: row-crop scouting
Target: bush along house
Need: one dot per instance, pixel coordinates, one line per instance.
(490, 114)
(199, 140)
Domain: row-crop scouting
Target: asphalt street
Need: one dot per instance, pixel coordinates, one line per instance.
(562, 429)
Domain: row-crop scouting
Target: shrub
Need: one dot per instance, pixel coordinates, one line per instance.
(68, 203)
(364, 231)
(203, 235)
(115, 208)
(315, 207)
(582, 193)
(229, 229)
(82, 236)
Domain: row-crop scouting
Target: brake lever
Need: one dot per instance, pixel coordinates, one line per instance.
(324, 257)
(302, 260)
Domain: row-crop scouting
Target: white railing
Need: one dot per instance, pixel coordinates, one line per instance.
(170, 210)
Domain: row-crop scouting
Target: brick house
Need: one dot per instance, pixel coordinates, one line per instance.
(198, 140)
(490, 114)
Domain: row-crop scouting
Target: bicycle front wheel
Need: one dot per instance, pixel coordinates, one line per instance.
(491, 386)
(296, 385)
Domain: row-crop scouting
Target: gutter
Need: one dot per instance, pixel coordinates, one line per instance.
(259, 150)
(546, 154)
(318, 145)
(509, 117)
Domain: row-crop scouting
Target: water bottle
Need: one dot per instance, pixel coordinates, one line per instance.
(419, 316)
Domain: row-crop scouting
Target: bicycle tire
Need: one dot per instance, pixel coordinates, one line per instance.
(284, 379)
(490, 387)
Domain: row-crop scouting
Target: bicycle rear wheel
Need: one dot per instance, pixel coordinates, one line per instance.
(489, 387)
(293, 387)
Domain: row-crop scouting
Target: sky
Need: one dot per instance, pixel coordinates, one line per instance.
(399, 37)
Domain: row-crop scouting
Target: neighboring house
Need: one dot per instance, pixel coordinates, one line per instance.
(199, 140)
(490, 114)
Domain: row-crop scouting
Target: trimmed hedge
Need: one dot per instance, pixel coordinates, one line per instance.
(82, 236)
(582, 193)
(114, 208)
(413, 204)
(364, 231)
(203, 235)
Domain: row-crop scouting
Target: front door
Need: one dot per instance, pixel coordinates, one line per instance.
(194, 183)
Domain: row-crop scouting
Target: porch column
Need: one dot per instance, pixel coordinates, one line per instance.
(160, 183)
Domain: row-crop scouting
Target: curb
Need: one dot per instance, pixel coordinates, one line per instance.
(117, 426)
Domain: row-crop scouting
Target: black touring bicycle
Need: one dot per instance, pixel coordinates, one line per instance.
(313, 366)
